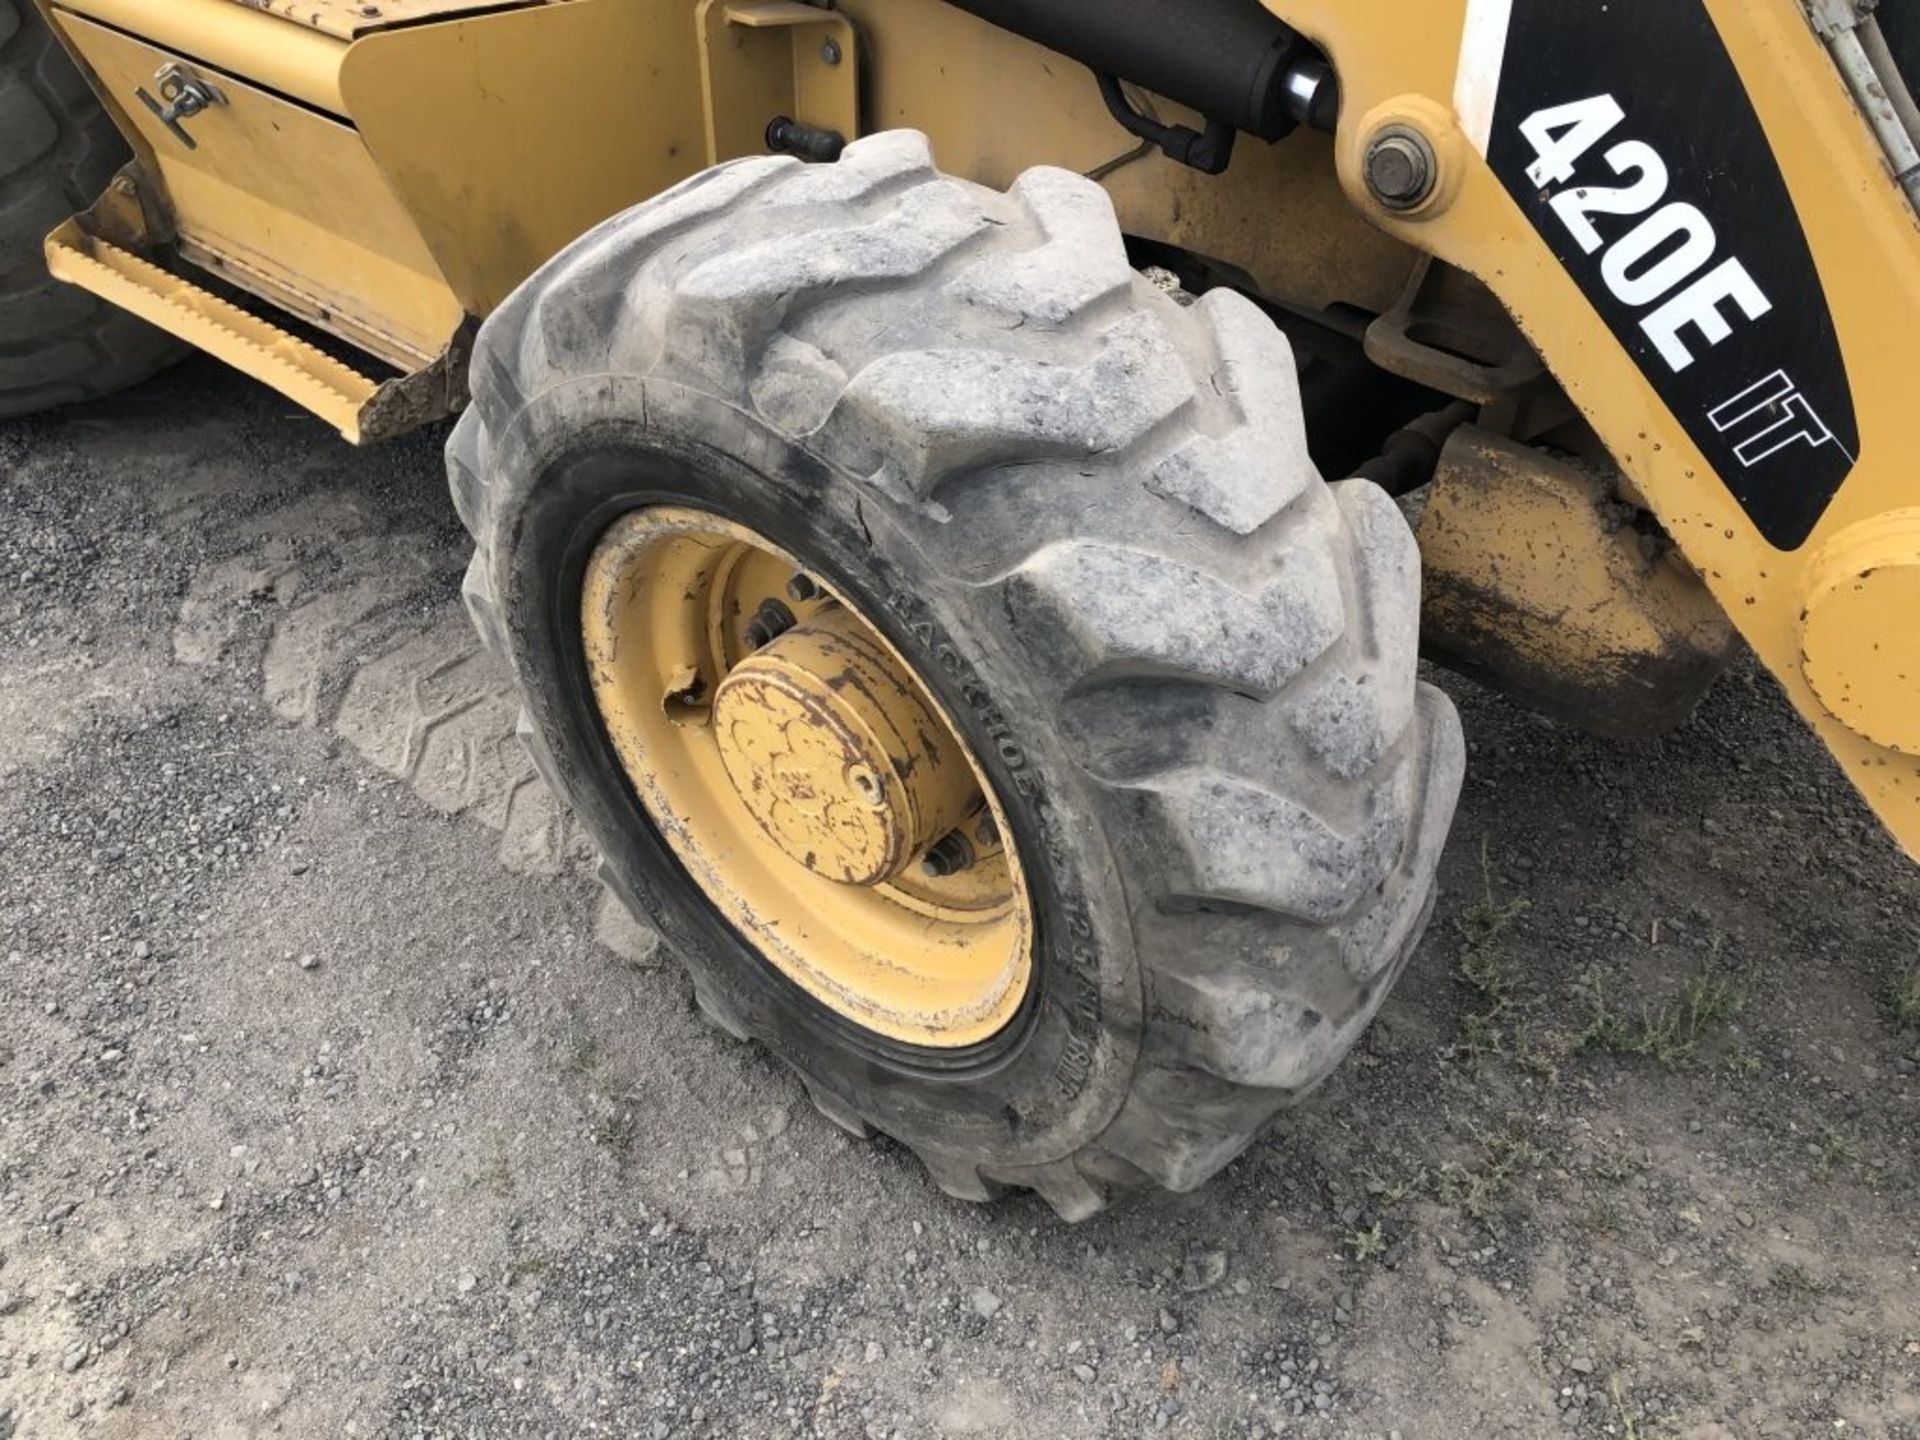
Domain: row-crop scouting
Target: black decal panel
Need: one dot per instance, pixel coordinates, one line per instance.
(1623, 131)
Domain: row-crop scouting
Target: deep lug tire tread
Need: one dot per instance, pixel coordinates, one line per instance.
(1229, 640)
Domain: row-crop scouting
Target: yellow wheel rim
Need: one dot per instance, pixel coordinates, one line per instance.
(811, 785)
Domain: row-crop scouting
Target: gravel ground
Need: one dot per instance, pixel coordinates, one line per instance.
(334, 1100)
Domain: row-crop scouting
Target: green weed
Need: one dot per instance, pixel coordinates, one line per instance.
(615, 1132)
(1669, 1033)
(1388, 1195)
(1629, 1430)
(1618, 1166)
(1835, 1150)
(582, 1055)
(1906, 1001)
(1485, 968)
(1480, 1190)
(1365, 1244)
(1602, 1216)
(1791, 1279)
(1483, 963)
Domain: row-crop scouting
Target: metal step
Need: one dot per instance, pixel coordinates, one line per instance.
(359, 406)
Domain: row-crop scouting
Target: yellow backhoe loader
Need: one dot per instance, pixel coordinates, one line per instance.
(897, 439)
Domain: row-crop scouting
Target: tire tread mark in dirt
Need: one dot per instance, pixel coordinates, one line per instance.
(362, 642)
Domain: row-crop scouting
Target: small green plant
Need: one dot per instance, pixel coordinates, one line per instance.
(1621, 1418)
(583, 1053)
(496, 1178)
(530, 1267)
(1364, 1245)
(616, 1132)
(1484, 967)
(1705, 1002)
(1618, 1166)
(1835, 1150)
(1602, 1216)
(1906, 1001)
(1388, 1195)
(1670, 1033)
(1478, 1191)
(1483, 964)
(1542, 1059)
(1791, 1279)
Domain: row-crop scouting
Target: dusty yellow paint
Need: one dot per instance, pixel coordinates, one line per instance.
(286, 203)
(236, 39)
(1863, 607)
(509, 135)
(348, 19)
(994, 104)
(838, 754)
(333, 391)
(1534, 576)
(1866, 245)
(797, 781)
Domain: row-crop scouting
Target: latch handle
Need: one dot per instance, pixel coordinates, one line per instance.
(185, 94)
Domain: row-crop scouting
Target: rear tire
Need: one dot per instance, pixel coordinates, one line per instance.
(1086, 516)
(58, 151)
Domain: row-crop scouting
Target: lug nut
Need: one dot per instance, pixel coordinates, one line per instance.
(803, 587)
(1401, 168)
(948, 855)
(769, 623)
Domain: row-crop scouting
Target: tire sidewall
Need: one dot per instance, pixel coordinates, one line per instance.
(581, 454)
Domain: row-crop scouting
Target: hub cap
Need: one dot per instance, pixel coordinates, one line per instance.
(806, 779)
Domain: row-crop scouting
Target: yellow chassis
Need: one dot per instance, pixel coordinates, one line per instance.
(392, 185)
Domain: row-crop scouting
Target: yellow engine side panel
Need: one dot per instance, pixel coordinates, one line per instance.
(286, 201)
(1404, 61)
(509, 135)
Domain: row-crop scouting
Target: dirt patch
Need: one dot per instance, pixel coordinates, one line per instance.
(335, 1100)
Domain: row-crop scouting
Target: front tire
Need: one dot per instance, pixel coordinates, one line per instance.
(1085, 517)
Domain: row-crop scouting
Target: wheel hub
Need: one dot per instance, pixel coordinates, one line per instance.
(830, 750)
(805, 778)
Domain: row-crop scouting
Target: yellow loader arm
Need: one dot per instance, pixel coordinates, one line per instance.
(1695, 224)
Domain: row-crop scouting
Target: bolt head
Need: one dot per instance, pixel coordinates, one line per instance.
(1400, 168)
(830, 52)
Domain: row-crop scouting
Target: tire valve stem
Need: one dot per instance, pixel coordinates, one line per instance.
(948, 855)
(769, 623)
